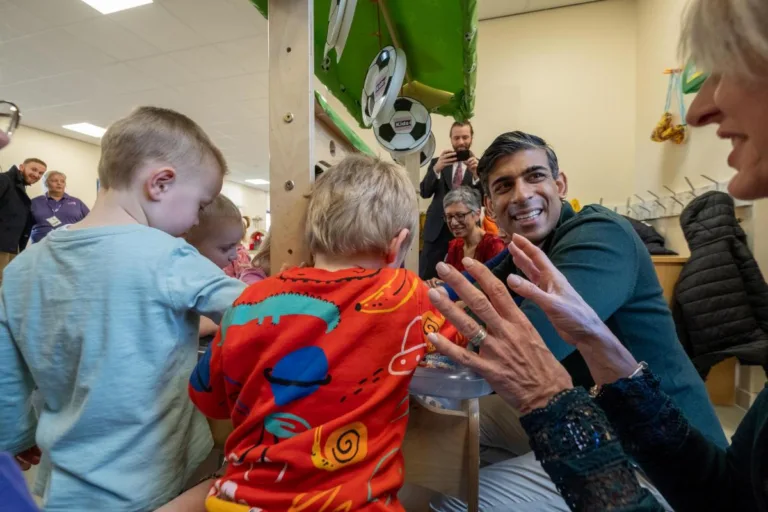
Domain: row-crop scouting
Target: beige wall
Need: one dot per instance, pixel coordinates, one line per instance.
(658, 30)
(79, 161)
(567, 75)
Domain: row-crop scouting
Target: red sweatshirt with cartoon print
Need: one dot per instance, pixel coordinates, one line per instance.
(313, 369)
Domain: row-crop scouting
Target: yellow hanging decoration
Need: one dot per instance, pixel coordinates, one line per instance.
(575, 205)
(665, 129)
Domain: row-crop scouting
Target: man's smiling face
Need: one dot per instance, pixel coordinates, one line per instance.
(524, 196)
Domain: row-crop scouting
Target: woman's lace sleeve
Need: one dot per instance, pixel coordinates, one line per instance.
(645, 417)
(689, 470)
(578, 448)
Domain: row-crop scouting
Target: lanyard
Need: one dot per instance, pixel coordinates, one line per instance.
(59, 204)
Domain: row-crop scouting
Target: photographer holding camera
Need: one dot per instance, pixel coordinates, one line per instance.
(452, 169)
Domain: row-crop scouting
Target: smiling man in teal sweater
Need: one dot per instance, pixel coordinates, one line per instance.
(605, 261)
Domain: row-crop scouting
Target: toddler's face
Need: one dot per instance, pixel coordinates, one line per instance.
(220, 246)
(178, 210)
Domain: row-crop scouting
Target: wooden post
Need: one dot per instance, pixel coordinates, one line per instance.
(291, 126)
(412, 258)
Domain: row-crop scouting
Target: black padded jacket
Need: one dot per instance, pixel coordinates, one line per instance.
(721, 299)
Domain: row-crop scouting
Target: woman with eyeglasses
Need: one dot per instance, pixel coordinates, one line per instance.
(462, 215)
(586, 442)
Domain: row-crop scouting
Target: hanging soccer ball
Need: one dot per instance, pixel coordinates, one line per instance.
(382, 81)
(425, 154)
(326, 65)
(406, 129)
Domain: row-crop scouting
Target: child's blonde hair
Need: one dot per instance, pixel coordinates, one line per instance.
(359, 206)
(153, 134)
(261, 258)
(220, 210)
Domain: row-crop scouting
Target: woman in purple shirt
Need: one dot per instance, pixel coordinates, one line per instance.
(55, 208)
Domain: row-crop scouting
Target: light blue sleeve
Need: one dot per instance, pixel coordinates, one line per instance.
(195, 283)
(17, 417)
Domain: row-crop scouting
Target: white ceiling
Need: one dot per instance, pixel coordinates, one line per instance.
(63, 63)
(488, 9)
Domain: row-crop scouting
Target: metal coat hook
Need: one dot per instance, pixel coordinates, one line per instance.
(674, 197)
(693, 189)
(640, 198)
(601, 201)
(629, 206)
(717, 184)
(658, 200)
(644, 208)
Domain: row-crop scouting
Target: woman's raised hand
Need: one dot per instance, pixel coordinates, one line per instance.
(513, 358)
(576, 322)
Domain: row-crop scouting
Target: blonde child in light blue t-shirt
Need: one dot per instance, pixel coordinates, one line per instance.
(103, 318)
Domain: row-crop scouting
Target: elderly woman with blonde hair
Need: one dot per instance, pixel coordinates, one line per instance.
(55, 208)
(588, 443)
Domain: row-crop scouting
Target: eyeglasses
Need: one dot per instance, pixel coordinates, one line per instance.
(10, 117)
(459, 217)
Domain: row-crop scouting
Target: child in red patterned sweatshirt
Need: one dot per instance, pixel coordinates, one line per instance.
(313, 364)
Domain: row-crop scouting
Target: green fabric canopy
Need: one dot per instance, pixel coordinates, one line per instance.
(439, 38)
(351, 135)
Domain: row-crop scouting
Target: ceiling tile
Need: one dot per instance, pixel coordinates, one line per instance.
(73, 87)
(53, 52)
(214, 21)
(206, 62)
(15, 70)
(246, 10)
(119, 79)
(58, 12)
(164, 69)
(35, 93)
(251, 52)
(158, 27)
(244, 87)
(17, 22)
(111, 38)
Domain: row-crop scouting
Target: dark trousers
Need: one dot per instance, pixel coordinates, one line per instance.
(433, 253)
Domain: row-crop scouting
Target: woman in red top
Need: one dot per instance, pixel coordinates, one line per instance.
(462, 214)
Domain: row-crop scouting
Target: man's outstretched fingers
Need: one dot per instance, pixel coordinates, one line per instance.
(459, 354)
(471, 296)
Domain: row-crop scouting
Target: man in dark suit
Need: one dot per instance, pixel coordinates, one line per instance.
(443, 175)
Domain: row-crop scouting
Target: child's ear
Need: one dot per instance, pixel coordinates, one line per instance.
(160, 181)
(396, 253)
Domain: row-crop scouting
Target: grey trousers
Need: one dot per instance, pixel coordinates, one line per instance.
(513, 480)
